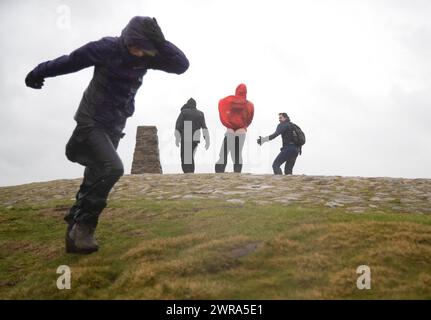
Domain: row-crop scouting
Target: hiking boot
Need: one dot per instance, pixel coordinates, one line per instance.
(220, 168)
(237, 168)
(80, 239)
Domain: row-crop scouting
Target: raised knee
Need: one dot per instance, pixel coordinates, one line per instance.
(115, 171)
(70, 151)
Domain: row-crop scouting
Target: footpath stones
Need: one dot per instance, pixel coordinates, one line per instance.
(349, 194)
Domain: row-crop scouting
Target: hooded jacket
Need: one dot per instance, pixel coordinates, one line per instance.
(236, 111)
(110, 97)
(189, 112)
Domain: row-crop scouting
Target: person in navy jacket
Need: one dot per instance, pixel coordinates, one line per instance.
(119, 66)
(289, 150)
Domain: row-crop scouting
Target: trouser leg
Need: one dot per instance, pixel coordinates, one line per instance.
(84, 197)
(287, 155)
(188, 156)
(288, 167)
(279, 160)
(221, 163)
(195, 145)
(237, 152)
(103, 169)
(183, 165)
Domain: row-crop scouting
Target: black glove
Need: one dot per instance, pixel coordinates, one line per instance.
(156, 34)
(152, 31)
(34, 82)
(261, 140)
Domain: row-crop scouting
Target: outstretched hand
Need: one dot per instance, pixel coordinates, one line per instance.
(261, 140)
(34, 82)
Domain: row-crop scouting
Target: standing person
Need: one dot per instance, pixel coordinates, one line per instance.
(187, 133)
(293, 138)
(236, 114)
(119, 66)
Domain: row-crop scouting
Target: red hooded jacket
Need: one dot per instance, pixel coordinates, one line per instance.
(236, 111)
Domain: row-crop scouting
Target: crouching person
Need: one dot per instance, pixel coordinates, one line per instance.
(119, 66)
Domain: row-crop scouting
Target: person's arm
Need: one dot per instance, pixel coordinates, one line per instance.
(280, 129)
(250, 108)
(204, 125)
(179, 125)
(225, 122)
(170, 59)
(205, 132)
(91, 54)
(179, 128)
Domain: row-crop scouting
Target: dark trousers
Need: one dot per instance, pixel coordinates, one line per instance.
(188, 155)
(95, 148)
(233, 144)
(288, 156)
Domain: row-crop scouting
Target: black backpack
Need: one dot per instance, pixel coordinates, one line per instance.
(298, 136)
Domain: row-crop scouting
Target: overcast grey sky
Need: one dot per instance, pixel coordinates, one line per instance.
(355, 75)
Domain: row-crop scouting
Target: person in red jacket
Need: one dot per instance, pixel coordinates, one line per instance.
(236, 114)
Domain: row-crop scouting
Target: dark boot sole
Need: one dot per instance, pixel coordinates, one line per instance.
(73, 249)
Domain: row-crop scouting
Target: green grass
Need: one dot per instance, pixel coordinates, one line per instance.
(216, 250)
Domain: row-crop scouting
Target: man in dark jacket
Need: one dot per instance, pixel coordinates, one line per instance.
(119, 66)
(289, 151)
(187, 132)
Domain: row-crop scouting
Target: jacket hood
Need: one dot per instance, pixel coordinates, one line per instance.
(191, 104)
(143, 32)
(241, 91)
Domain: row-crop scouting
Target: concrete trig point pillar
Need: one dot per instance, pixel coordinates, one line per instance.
(146, 157)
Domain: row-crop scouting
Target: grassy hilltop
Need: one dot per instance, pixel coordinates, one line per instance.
(224, 236)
